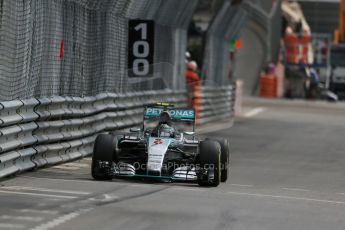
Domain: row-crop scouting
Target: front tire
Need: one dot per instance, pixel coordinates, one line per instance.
(103, 151)
(209, 160)
(225, 157)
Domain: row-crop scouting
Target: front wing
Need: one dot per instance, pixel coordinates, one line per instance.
(124, 170)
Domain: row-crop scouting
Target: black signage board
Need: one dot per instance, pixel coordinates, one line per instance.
(140, 48)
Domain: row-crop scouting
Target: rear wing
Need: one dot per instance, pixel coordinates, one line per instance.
(179, 114)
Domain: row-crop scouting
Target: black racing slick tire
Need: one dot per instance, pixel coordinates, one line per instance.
(209, 160)
(117, 134)
(103, 151)
(225, 159)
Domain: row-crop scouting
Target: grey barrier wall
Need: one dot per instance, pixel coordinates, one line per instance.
(225, 26)
(46, 131)
(267, 16)
(261, 37)
(258, 26)
(79, 47)
(217, 103)
(275, 31)
(35, 133)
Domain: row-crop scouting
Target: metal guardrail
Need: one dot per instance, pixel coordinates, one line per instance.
(35, 133)
(46, 131)
(217, 103)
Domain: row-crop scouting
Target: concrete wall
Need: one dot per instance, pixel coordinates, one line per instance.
(250, 59)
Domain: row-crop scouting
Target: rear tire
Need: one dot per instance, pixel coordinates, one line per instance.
(225, 161)
(209, 162)
(118, 134)
(104, 151)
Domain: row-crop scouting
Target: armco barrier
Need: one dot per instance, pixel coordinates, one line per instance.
(24, 161)
(216, 103)
(39, 132)
(46, 131)
(8, 163)
(8, 112)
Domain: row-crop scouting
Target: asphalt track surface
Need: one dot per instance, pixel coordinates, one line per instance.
(287, 172)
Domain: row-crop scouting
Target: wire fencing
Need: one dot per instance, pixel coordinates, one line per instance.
(224, 27)
(258, 25)
(79, 47)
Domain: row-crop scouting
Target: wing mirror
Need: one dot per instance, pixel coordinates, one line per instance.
(134, 130)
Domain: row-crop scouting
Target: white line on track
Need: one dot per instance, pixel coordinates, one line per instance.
(38, 194)
(49, 212)
(73, 164)
(45, 190)
(11, 226)
(70, 166)
(64, 169)
(297, 189)
(58, 179)
(105, 198)
(287, 197)
(189, 189)
(254, 112)
(61, 220)
(341, 193)
(242, 185)
(22, 218)
(86, 181)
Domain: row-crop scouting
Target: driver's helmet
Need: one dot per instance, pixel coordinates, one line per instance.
(166, 130)
(165, 118)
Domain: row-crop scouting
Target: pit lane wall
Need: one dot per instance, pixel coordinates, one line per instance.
(36, 133)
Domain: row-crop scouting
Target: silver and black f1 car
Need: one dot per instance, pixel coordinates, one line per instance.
(162, 149)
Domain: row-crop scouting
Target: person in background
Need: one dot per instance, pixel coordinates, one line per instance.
(192, 80)
(188, 57)
(311, 83)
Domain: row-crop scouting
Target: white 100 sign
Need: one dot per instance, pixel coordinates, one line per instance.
(141, 50)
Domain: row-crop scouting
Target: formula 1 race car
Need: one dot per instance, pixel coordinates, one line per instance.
(162, 149)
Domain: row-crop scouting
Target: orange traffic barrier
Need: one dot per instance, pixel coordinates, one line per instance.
(339, 34)
(305, 41)
(268, 85)
(297, 48)
(194, 89)
(197, 101)
(292, 52)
